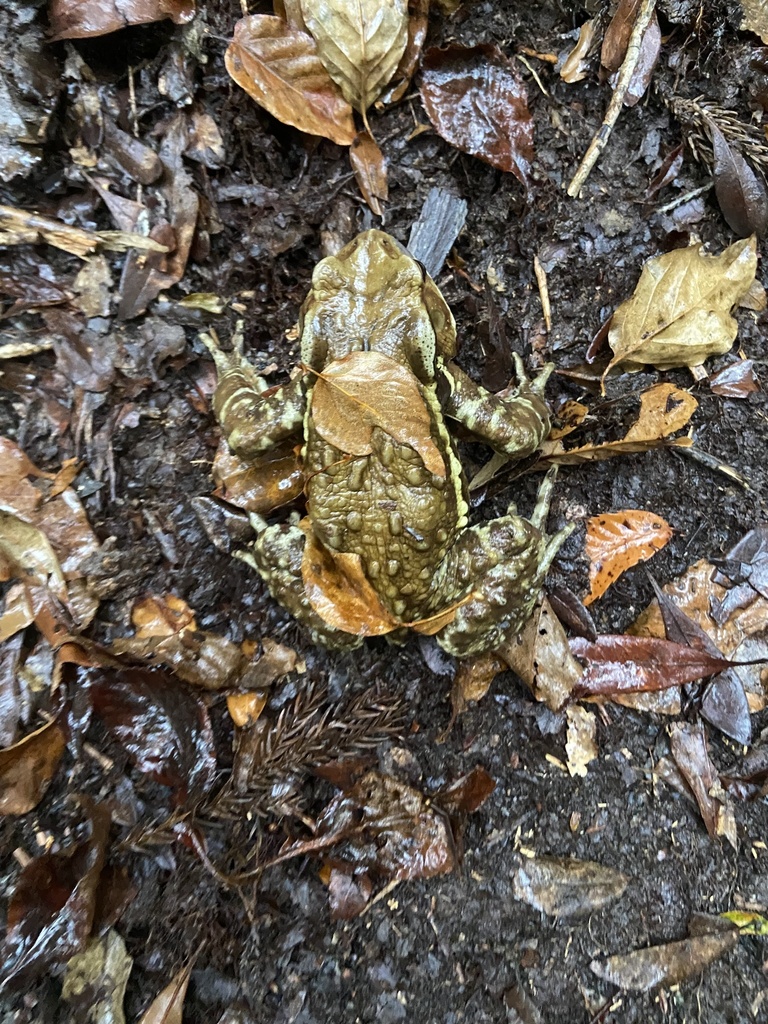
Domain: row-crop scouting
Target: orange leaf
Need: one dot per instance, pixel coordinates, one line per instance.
(618, 540)
(340, 592)
(370, 169)
(366, 390)
(279, 67)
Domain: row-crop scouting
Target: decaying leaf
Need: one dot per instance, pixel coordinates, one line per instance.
(633, 664)
(473, 679)
(359, 42)
(168, 1006)
(27, 768)
(163, 727)
(540, 655)
(617, 34)
(370, 169)
(576, 66)
(81, 19)
(650, 48)
(740, 192)
(21, 227)
(618, 540)
(52, 906)
(735, 381)
(279, 67)
(258, 485)
(680, 312)
(667, 965)
(580, 746)
(477, 100)
(370, 389)
(563, 887)
(95, 980)
(689, 749)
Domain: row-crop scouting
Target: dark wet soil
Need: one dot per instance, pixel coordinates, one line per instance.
(448, 949)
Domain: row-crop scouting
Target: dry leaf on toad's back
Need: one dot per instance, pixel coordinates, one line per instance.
(477, 100)
(680, 312)
(618, 540)
(279, 67)
(366, 390)
(360, 43)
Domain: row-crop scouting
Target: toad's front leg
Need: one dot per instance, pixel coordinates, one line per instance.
(253, 417)
(501, 565)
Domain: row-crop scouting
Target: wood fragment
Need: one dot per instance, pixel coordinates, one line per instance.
(439, 225)
(541, 281)
(600, 139)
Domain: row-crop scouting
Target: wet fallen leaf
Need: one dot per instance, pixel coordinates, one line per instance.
(541, 657)
(53, 903)
(477, 101)
(666, 965)
(689, 750)
(348, 894)
(27, 768)
(576, 65)
(258, 485)
(168, 1006)
(473, 679)
(95, 980)
(563, 887)
(280, 68)
(740, 192)
(245, 708)
(467, 794)
(370, 169)
(615, 47)
(680, 312)
(755, 18)
(735, 381)
(666, 174)
(569, 417)
(418, 23)
(370, 389)
(81, 19)
(360, 43)
(616, 38)
(580, 746)
(163, 727)
(162, 616)
(749, 780)
(618, 540)
(632, 664)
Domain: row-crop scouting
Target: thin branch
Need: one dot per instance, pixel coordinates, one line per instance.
(600, 140)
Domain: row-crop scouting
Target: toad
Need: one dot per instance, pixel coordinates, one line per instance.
(383, 481)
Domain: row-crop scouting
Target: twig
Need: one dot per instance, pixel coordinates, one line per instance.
(541, 281)
(598, 143)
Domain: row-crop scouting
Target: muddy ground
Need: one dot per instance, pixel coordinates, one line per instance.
(447, 949)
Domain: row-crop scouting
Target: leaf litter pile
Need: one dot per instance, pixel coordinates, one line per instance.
(206, 818)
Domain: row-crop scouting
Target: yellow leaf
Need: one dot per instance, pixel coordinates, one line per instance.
(366, 390)
(360, 42)
(680, 312)
(618, 540)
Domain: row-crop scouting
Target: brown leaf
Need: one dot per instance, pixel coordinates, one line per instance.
(541, 657)
(370, 389)
(576, 65)
(477, 101)
(473, 679)
(162, 616)
(689, 750)
(418, 23)
(680, 312)
(632, 664)
(740, 193)
(340, 593)
(168, 1006)
(360, 43)
(370, 169)
(736, 380)
(348, 895)
(280, 68)
(650, 48)
(617, 34)
(563, 887)
(669, 170)
(467, 794)
(258, 485)
(618, 540)
(27, 768)
(80, 19)
(667, 965)
(52, 906)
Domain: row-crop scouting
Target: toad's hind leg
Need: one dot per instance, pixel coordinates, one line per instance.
(276, 555)
(502, 565)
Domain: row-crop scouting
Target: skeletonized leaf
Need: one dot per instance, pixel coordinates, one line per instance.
(360, 42)
(477, 100)
(664, 965)
(366, 390)
(740, 193)
(563, 887)
(680, 312)
(370, 169)
(618, 540)
(280, 68)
